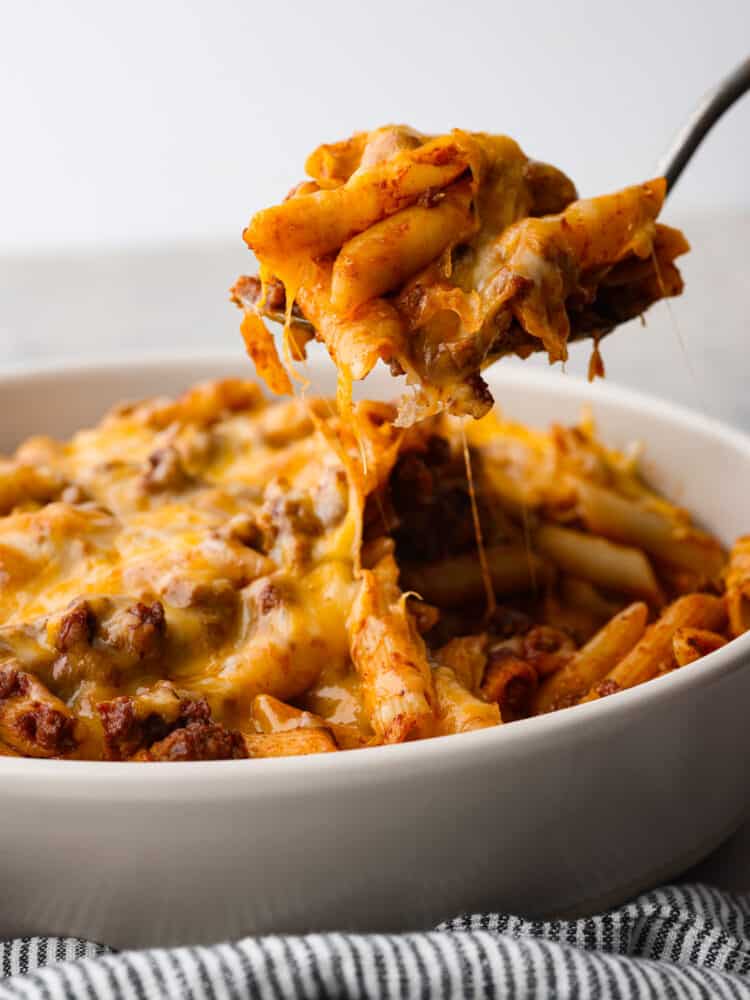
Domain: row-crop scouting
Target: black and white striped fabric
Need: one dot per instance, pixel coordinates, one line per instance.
(675, 942)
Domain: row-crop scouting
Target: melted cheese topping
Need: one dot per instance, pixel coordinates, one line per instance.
(213, 577)
(237, 517)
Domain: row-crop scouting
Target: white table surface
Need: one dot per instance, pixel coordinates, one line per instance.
(163, 299)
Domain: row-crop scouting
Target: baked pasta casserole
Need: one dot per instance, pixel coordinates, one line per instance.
(440, 254)
(217, 577)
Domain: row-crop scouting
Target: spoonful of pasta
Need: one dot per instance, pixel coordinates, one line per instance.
(440, 254)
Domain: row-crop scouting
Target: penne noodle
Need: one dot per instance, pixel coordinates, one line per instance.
(520, 465)
(466, 656)
(319, 223)
(596, 232)
(304, 187)
(632, 522)
(390, 658)
(457, 710)
(585, 597)
(551, 190)
(457, 580)
(607, 564)
(594, 661)
(512, 683)
(384, 256)
(547, 649)
(273, 716)
(737, 580)
(348, 736)
(577, 622)
(358, 342)
(654, 653)
(630, 224)
(292, 743)
(690, 644)
(334, 163)
(261, 348)
(677, 582)
(383, 142)
(584, 594)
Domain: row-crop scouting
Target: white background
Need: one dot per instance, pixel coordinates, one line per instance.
(147, 120)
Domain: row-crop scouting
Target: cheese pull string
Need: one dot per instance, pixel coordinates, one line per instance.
(489, 589)
(707, 113)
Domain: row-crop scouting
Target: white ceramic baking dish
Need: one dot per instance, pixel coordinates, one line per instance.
(564, 813)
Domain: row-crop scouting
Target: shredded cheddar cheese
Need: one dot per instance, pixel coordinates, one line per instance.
(217, 577)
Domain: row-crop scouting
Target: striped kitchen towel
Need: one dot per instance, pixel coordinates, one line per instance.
(674, 942)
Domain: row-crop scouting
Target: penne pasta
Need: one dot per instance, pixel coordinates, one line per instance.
(332, 164)
(511, 682)
(273, 716)
(677, 582)
(606, 564)
(457, 710)
(270, 715)
(633, 522)
(654, 653)
(737, 580)
(579, 233)
(458, 580)
(578, 622)
(547, 649)
(357, 342)
(261, 348)
(391, 251)
(690, 644)
(593, 661)
(291, 743)
(584, 596)
(382, 143)
(390, 658)
(317, 224)
(466, 656)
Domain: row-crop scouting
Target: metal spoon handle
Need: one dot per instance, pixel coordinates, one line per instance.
(708, 112)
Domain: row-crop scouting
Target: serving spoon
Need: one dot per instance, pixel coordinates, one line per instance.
(705, 116)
